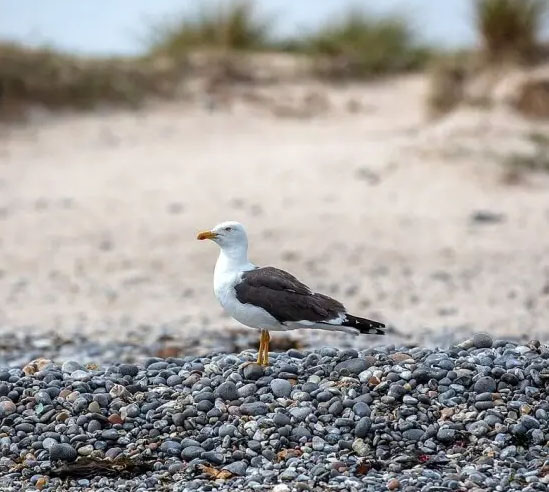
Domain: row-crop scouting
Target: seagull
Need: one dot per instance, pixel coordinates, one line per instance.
(270, 299)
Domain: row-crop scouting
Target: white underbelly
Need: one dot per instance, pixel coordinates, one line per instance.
(247, 314)
(253, 316)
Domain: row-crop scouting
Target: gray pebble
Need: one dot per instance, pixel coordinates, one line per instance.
(482, 340)
(227, 430)
(253, 372)
(227, 391)
(485, 384)
(361, 409)
(70, 366)
(64, 452)
(446, 435)
(171, 448)
(354, 366)
(191, 452)
(254, 409)
(413, 434)
(300, 413)
(128, 370)
(363, 427)
(281, 388)
(110, 434)
(237, 468)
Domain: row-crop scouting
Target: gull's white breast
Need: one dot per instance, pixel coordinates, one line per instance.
(247, 314)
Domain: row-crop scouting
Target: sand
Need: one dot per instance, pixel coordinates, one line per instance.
(353, 189)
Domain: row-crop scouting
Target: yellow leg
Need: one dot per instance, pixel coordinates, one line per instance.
(266, 348)
(263, 353)
(260, 350)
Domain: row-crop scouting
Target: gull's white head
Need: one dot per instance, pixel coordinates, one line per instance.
(228, 235)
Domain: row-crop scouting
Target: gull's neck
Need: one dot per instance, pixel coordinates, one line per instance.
(233, 259)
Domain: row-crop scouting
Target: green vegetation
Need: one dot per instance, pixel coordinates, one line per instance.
(354, 47)
(360, 47)
(43, 76)
(235, 27)
(509, 28)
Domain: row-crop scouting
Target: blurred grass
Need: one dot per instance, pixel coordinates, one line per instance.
(45, 77)
(355, 46)
(448, 76)
(358, 46)
(537, 160)
(517, 165)
(228, 28)
(510, 28)
(509, 31)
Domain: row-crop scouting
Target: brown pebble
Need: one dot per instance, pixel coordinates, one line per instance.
(73, 396)
(370, 360)
(401, 357)
(41, 483)
(64, 393)
(35, 366)
(115, 419)
(525, 409)
(62, 416)
(393, 484)
(446, 413)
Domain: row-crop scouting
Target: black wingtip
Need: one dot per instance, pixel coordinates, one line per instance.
(365, 326)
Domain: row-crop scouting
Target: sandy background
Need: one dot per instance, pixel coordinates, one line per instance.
(353, 189)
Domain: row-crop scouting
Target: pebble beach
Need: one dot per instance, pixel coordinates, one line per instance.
(472, 416)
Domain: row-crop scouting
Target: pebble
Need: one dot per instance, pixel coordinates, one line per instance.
(171, 448)
(237, 467)
(109, 434)
(446, 435)
(300, 413)
(191, 452)
(128, 370)
(71, 366)
(85, 450)
(254, 409)
(353, 366)
(227, 391)
(361, 409)
(318, 443)
(281, 388)
(7, 407)
(482, 340)
(472, 416)
(393, 484)
(253, 372)
(413, 434)
(63, 451)
(485, 384)
(363, 427)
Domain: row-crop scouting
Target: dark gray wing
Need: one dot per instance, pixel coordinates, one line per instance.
(284, 297)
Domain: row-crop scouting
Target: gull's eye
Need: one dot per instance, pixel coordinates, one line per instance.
(228, 229)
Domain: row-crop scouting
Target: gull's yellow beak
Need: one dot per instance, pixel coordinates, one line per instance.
(206, 235)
